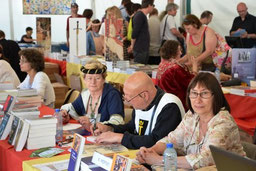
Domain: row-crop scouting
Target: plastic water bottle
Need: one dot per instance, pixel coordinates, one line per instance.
(59, 126)
(170, 158)
(217, 74)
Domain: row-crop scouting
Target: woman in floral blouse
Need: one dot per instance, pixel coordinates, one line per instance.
(207, 122)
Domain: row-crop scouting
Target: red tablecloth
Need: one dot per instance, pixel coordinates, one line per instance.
(243, 109)
(10, 160)
(62, 64)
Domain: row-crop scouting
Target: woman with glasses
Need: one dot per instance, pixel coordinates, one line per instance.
(172, 76)
(208, 122)
(7, 74)
(32, 62)
(99, 102)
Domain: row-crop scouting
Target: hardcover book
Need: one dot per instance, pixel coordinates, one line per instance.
(22, 135)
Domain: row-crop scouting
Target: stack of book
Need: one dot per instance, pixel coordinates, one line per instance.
(27, 100)
(41, 133)
(243, 91)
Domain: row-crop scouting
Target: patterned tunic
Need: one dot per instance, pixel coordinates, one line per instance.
(222, 132)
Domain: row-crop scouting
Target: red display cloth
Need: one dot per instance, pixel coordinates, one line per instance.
(244, 111)
(10, 160)
(62, 65)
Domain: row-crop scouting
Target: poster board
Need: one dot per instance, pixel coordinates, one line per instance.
(77, 36)
(243, 64)
(114, 35)
(43, 34)
(54, 7)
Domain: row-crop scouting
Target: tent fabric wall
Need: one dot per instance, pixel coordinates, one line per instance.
(224, 12)
(14, 25)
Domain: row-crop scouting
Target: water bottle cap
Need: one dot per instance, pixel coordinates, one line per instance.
(57, 110)
(169, 145)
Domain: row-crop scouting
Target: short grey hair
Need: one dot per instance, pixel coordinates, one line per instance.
(171, 6)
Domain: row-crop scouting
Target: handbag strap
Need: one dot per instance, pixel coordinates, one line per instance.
(164, 26)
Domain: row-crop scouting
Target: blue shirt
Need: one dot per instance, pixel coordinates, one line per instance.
(111, 103)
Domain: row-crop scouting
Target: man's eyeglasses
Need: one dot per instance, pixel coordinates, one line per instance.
(133, 97)
(204, 94)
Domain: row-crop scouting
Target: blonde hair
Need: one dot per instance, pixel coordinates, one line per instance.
(95, 66)
(115, 11)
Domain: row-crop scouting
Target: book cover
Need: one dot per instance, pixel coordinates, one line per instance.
(76, 153)
(5, 126)
(243, 64)
(22, 135)
(8, 104)
(14, 130)
(121, 163)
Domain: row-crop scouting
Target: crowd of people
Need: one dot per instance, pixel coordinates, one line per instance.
(185, 107)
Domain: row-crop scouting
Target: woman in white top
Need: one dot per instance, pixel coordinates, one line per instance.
(7, 74)
(32, 62)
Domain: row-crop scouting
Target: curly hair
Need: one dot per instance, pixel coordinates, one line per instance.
(34, 57)
(169, 49)
(96, 65)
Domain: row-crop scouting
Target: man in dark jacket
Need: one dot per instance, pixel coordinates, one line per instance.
(155, 114)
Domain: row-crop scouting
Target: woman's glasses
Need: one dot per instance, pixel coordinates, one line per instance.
(204, 94)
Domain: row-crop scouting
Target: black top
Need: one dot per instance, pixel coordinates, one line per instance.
(167, 120)
(249, 24)
(140, 32)
(11, 52)
(25, 36)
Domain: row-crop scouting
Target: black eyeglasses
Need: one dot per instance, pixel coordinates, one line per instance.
(133, 97)
(204, 94)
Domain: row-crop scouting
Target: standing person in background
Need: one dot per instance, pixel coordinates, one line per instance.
(140, 34)
(88, 15)
(247, 22)
(11, 52)
(27, 38)
(7, 74)
(94, 45)
(74, 14)
(122, 8)
(32, 62)
(206, 17)
(155, 40)
(168, 27)
(201, 43)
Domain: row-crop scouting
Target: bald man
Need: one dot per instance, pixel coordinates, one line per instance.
(247, 22)
(155, 114)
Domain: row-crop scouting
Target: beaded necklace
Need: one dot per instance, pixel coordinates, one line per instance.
(93, 108)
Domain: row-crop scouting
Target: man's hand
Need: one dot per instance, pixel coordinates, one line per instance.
(109, 137)
(100, 128)
(65, 116)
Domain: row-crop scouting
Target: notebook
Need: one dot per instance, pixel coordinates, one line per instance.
(226, 160)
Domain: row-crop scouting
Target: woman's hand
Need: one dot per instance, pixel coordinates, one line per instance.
(85, 122)
(149, 156)
(65, 116)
